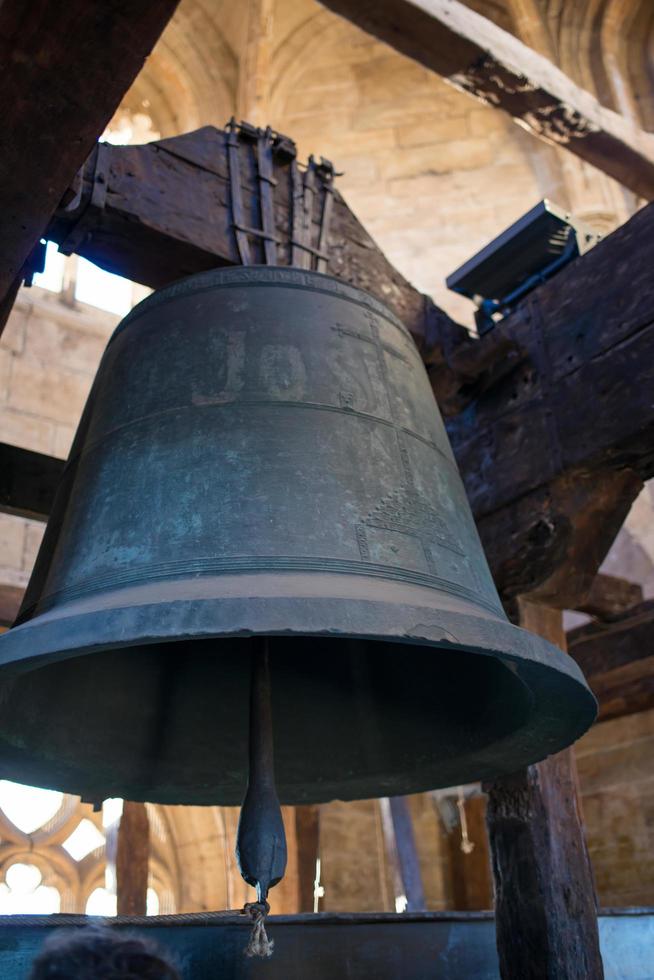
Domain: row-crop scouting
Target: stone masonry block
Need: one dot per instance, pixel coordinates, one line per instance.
(469, 154)
(12, 541)
(63, 439)
(408, 110)
(26, 431)
(38, 389)
(56, 343)
(34, 531)
(13, 335)
(487, 120)
(5, 372)
(432, 129)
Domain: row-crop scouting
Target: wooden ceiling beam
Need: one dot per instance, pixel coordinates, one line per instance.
(28, 482)
(610, 598)
(65, 68)
(165, 213)
(618, 661)
(477, 57)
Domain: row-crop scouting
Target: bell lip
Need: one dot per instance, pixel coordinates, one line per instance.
(72, 631)
(551, 676)
(287, 276)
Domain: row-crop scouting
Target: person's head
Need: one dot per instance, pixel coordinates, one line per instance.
(92, 953)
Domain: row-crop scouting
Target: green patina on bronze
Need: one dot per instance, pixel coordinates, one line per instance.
(261, 456)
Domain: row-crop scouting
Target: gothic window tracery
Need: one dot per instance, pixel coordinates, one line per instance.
(56, 855)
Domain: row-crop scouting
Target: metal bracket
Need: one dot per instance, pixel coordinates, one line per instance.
(303, 192)
(236, 200)
(266, 184)
(268, 145)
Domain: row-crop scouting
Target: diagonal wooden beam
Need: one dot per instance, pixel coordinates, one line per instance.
(610, 598)
(65, 68)
(28, 482)
(618, 660)
(165, 213)
(492, 65)
(553, 454)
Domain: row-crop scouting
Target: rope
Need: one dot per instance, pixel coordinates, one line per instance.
(63, 919)
(259, 944)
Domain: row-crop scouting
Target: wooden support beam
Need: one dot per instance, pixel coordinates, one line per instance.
(132, 859)
(307, 836)
(553, 453)
(28, 482)
(477, 57)
(65, 69)
(165, 213)
(610, 598)
(545, 905)
(618, 661)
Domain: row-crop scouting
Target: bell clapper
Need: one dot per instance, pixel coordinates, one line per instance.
(261, 841)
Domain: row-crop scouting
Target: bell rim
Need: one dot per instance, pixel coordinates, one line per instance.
(237, 591)
(537, 663)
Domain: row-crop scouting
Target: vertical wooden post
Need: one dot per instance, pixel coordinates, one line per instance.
(545, 904)
(132, 859)
(307, 830)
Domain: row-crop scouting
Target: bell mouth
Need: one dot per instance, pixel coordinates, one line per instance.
(165, 718)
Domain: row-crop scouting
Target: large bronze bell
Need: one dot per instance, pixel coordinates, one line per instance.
(261, 456)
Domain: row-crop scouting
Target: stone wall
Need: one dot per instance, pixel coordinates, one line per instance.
(616, 775)
(49, 353)
(432, 174)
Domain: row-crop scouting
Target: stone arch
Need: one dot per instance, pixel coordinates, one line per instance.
(190, 78)
(295, 50)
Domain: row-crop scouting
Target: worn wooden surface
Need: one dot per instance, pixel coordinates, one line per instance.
(545, 904)
(165, 213)
(65, 69)
(307, 835)
(476, 56)
(132, 859)
(618, 660)
(28, 482)
(556, 450)
(610, 597)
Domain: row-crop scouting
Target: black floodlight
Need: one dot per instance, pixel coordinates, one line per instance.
(530, 251)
